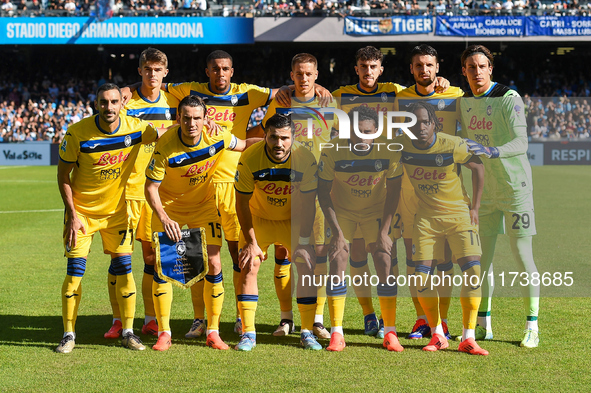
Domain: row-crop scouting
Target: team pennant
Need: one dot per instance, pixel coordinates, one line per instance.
(182, 263)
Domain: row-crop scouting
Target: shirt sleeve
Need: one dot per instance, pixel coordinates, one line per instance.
(230, 140)
(179, 90)
(326, 166)
(310, 177)
(461, 153)
(395, 169)
(259, 96)
(514, 113)
(157, 167)
(69, 148)
(243, 180)
(149, 133)
(270, 112)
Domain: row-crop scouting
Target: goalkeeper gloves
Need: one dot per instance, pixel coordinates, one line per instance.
(479, 150)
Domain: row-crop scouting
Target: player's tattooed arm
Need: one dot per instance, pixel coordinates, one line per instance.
(171, 227)
(73, 223)
(441, 84)
(338, 242)
(251, 251)
(393, 187)
(477, 168)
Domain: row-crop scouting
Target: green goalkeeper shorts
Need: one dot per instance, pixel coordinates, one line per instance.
(511, 216)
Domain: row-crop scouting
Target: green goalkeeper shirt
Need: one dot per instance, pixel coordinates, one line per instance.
(497, 118)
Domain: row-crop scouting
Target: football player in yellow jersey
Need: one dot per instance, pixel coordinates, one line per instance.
(272, 178)
(96, 159)
(444, 213)
(305, 103)
(381, 97)
(356, 181)
(229, 105)
(151, 104)
(424, 67)
(179, 188)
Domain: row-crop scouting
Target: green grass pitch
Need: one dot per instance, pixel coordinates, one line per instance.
(32, 269)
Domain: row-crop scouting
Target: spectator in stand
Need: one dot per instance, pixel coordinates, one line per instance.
(519, 6)
(507, 6)
(431, 8)
(484, 8)
(440, 7)
(201, 5)
(70, 6)
(7, 7)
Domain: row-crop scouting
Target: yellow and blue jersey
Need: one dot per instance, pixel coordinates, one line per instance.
(359, 181)
(231, 110)
(382, 99)
(161, 113)
(273, 183)
(446, 105)
(300, 112)
(104, 160)
(186, 172)
(434, 177)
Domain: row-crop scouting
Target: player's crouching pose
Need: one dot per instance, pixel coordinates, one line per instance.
(100, 152)
(180, 191)
(271, 176)
(355, 190)
(444, 213)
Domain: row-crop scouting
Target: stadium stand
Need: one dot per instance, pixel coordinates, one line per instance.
(296, 8)
(40, 103)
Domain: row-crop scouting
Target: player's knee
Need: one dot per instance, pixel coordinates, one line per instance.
(76, 267)
(214, 278)
(121, 265)
(445, 268)
(149, 269)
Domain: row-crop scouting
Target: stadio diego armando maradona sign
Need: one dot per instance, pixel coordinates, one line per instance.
(132, 30)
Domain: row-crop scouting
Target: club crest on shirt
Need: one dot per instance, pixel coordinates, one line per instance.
(212, 151)
(441, 105)
(489, 110)
(127, 141)
(439, 159)
(378, 165)
(234, 100)
(384, 97)
(168, 115)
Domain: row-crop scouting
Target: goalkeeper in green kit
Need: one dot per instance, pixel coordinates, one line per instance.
(493, 120)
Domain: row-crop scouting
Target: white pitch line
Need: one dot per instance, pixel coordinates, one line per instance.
(31, 211)
(12, 167)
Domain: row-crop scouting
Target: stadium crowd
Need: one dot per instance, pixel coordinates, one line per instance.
(43, 111)
(336, 8)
